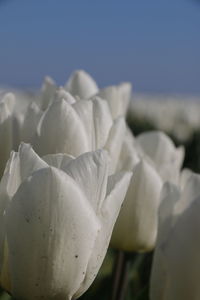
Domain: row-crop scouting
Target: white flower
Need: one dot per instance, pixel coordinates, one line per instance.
(79, 127)
(176, 264)
(57, 216)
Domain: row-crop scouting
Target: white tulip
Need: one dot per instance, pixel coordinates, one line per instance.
(136, 226)
(76, 128)
(166, 158)
(176, 264)
(56, 223)
(81, 84)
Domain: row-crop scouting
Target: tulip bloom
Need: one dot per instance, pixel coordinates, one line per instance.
(176, 264)
(82, 126)
(57, 216)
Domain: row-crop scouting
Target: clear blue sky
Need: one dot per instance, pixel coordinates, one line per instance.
(155, 44)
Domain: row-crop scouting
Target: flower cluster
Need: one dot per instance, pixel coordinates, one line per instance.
(74, 179)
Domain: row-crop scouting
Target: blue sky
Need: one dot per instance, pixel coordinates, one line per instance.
(155, 44)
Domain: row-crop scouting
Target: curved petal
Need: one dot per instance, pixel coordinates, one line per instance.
(47, 93)
(81, 84)
(57, 233)
(160, 148)
(138, 215)
(30, 122)
(90, 171)
(6, 133)
(61, 93)
(61, 131)
(128, 155)
(102, 122)
(116, 190)
(115, 141)
(58, 160)
(117, 97)
(181, 249)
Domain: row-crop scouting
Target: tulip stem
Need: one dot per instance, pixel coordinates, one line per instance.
(120, 276)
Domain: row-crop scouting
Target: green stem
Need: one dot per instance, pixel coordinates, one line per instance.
(120, 276)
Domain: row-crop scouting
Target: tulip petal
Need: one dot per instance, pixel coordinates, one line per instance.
(61, 94)
(58, 228)
(62, 123)
(116, 190)
(160, 148)
(81, 84)
(181, 249)
(117, 97)
(141, 206)
(128, 155)
(159, 274)
(30, 122)
(47, 93)
(190, 192)
(115, 141)
(96, 118)
(90, 171)
(6, 134)
(59, 160)
(102, 122)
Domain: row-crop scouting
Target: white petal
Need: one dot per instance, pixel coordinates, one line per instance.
(6, 135)
(19, 167)
(61, 131)
(115, 141)
(29, 161)
(57, 232)
(47, 93)
(184, 176)
(128, 156)
(181, 249)
(190, 192)
(59, 160)
(63, 94)
(117, 97)
(90, 171)
(102, 122)
(81, 84)
(160, 148)
(139, 213)
(117, 187)
(30, 123)
(84, 109)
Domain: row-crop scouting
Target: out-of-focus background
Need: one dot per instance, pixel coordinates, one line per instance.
(155, 45)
